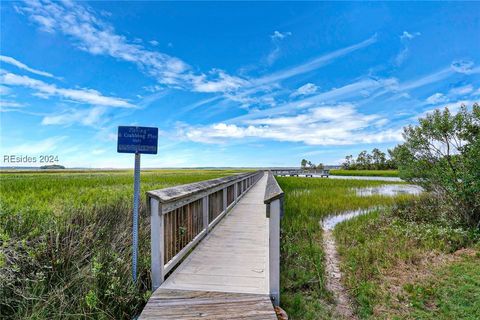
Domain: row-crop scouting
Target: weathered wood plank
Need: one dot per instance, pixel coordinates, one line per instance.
(184, 304)
(234, 256)
(227, 275)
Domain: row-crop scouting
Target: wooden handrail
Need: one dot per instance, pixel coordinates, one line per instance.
(273, 190)
(177, 192)
(274, 201)
(181, 216)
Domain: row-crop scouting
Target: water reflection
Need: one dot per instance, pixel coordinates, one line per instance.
(394, 179)
(389, 190)
(329, 223)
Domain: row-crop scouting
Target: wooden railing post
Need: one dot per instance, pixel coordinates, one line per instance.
(224, 199)
(274, 250)
(157, 240)
(274, 202)
(235, 192)
(205, 208)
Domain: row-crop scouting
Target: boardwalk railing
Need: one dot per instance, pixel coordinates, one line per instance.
(181, 216)
(297, 172)
(274, 201)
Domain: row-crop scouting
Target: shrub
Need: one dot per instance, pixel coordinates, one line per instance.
(442, 154)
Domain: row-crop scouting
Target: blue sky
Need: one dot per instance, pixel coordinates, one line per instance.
(229, 84)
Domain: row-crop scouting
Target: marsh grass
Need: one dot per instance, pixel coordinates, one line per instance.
(377, 244)
(372, 173)
(65, 248)
(451, 293)
(307, 201)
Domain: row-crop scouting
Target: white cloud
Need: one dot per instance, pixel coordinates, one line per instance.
(89, 117)
(349, 91)
(306, 89)
(222, 82)
(273, 55)
(408, 36)
(93, 35)
(454, 107)
(401, 56)
(426, 80)
(405, 38)
(313, 64)
(23, 66)
(154, 42)
(44, 90)
(328, 125)
(461, 90)
(11, 104)
(436, 98)
(37, 147)
(277, 35)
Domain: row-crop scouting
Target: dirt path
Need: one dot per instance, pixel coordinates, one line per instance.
(343, 306)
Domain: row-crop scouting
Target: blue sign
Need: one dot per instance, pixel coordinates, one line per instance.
(137, 140)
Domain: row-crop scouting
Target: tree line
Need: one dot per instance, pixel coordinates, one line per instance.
(307, 164)
(377, 160)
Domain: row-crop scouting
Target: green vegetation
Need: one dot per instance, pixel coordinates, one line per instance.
(52, 166)
(442, 154)
(306, 165)
(307, 201)
(372, 173)
(66, 242)
(420, 260)
(365, 161)
(384, 256)
(454, 291)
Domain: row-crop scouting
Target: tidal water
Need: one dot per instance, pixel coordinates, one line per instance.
(395, 179)
(329, 223)
(389, 190)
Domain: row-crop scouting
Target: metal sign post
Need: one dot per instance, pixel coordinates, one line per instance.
(136, 140)
(136, 198)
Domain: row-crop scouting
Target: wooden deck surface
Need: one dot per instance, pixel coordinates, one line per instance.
(234, 256)
(226, 275)
(183, 304)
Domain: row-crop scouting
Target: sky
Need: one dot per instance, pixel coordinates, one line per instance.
(228, 83)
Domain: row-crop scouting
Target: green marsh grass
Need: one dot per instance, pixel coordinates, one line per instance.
(377, 244)
(65, 250)
(307, 201)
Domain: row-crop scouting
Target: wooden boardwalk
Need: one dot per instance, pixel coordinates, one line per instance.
(184, 304)
(227, 275)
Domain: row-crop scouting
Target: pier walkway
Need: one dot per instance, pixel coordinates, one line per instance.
(227, 273)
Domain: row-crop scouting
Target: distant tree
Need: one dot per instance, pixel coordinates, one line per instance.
(303, 163)
(379, 160)
(442, 154)
(52, 166)
(363, 160)
(349, 163)
(366, 161)
(320, 166)
(390, 163)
